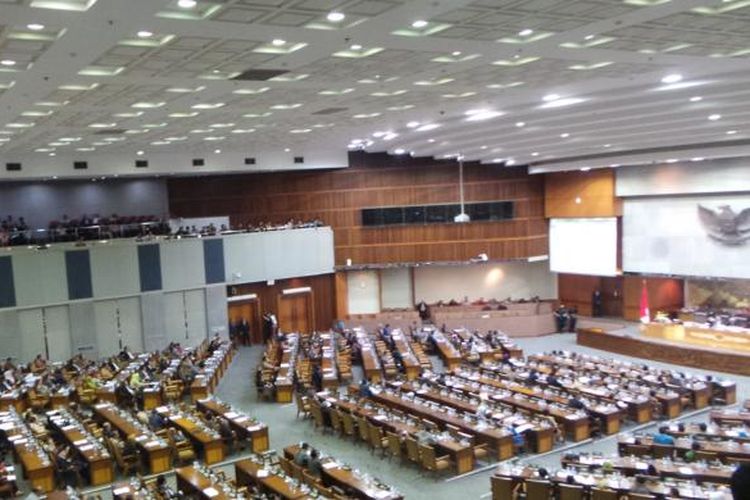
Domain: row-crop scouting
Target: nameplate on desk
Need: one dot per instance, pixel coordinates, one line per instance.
(330, 465)
(231, 414)
(240, 420)
(211, 492)
(151, 444)
(254, 428)
(80, 442)
(121, 491)
(87, 447)
(262, 473)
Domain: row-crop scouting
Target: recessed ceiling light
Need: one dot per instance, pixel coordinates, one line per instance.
(427, 126)
(430, 140)
(585, 169)
(35, 26)
(673, 78)
(697, 158)
(419, 23)
(335, 17)
(607, 146)
(672, 160)
(145, 34)
(186, 4)
(278, 42)
(217, 151)
(731, 132)
(550, 97)
(520, 124)
(535, 153)
(356, 46)
(565, 135)
(412, 124)
(714, 117)
(8, 62)
(475, 115)
(588, 37)
(139, 153)
(399, 151)
(696, 98)
(510, 161)
(456, 53)
(526, 32)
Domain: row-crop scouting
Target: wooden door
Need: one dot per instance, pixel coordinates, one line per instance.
(295, 313)
(250, 311)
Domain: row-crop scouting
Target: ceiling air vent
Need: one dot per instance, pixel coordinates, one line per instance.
(249, 161)
(259, 75)
(12, 167)
(110, 131)
(80, 165)
(329, 111)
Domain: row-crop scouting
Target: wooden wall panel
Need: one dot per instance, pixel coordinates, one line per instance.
(324, 296)
(664, 294)
(375, 180)
(595, 188)
(576, 290)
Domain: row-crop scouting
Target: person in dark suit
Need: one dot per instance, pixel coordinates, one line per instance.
(596, 304)
(244, 330)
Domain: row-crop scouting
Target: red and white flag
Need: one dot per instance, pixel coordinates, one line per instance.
(645, 313)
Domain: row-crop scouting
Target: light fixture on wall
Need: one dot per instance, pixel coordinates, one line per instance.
(462, 217)
(301, 289)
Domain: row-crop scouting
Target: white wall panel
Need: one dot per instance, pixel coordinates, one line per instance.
(10, 335)
(32, 334)
(396, 288)
(58, 332)
(245, 259)
(83, 329)
(666, 236)
(153, 324)
(40, 277)
(174, 317)
(216, 310)
(182, 264)
(731, 175)
(195, 308)
(500, 281)
(363, 289)
(131, 329)
(114, 270)
(107, 335)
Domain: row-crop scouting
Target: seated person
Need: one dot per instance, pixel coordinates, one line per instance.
(315, 467)
(302, 457)
(662, 437)
(155, 421)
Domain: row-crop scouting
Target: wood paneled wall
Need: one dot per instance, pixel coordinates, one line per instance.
(377, 180)
(595, 190)
(664, 294)
(324, 296)
(576, 290)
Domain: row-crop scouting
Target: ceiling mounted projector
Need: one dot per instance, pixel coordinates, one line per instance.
(462, 217)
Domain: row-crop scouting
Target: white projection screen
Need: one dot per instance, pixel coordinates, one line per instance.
(583, 246)
(669, 236)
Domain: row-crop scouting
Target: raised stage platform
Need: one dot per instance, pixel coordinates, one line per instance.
(632, 342)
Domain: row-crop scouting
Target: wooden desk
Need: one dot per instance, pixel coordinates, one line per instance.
(157, 454)
(462, 455)
(447, 351)
(101, 466)
(40, 472)
(211, 447)
(497, 439)
(346, 479)
(249, 473)
(244, 426)
(632, 466)
(194, 483)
